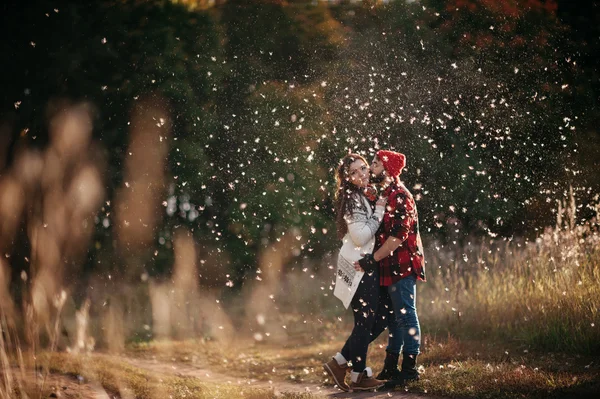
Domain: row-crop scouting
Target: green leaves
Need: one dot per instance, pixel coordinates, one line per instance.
(265, 99)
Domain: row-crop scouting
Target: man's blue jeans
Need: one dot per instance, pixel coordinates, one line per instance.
(398, 311)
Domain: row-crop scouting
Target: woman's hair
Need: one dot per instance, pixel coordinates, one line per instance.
(344, 191)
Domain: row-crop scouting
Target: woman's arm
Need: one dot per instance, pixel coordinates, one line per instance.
(362, 228)
(380, 208)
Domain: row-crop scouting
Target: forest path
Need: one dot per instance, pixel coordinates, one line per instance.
(204, 374)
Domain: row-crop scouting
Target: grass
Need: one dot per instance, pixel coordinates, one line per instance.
(449, 367)
(121, 379)
(500, 319)
(498, 370)
(543, 294)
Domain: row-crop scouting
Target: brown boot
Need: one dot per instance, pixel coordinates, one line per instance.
(338, 373)
(366, 382)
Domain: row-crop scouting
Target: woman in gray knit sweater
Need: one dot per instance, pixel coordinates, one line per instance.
(357, 223)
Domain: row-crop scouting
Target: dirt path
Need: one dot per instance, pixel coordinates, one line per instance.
(279, 387)
(61, 386)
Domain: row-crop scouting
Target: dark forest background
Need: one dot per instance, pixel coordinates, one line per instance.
(495, 104)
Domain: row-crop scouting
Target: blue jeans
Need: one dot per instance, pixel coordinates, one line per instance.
(398, 311)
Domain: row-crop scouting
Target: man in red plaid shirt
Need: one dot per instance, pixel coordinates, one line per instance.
(398, 254)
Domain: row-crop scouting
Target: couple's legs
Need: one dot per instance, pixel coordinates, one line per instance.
(398, 312)
(364, 304)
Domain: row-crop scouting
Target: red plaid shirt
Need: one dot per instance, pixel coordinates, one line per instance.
(400, 220)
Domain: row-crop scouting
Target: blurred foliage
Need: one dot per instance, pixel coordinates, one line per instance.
(266, 96)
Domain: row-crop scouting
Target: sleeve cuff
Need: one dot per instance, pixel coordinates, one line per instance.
(379, 211)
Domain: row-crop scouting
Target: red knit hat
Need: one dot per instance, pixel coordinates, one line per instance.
(393, 162)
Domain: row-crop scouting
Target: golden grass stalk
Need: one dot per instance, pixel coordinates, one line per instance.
(543, 293)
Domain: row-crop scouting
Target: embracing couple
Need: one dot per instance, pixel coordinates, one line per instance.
(379, 263)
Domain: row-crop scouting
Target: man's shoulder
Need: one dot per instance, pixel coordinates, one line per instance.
(399, 191)
(399, 198)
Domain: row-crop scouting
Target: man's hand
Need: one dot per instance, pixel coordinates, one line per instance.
(367, 263)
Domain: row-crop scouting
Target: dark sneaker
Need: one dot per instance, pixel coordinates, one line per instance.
(366, 382)
(390, 367)
(408, 374)
(338, 373)
(400, 380)
(409, 368)
(386, 374)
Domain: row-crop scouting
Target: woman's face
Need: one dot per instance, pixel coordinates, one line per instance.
(358, 173)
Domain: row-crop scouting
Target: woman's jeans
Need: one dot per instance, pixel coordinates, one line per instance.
(364, 304)
(399, 300)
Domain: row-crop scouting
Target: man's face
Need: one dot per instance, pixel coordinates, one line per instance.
(377, 170)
